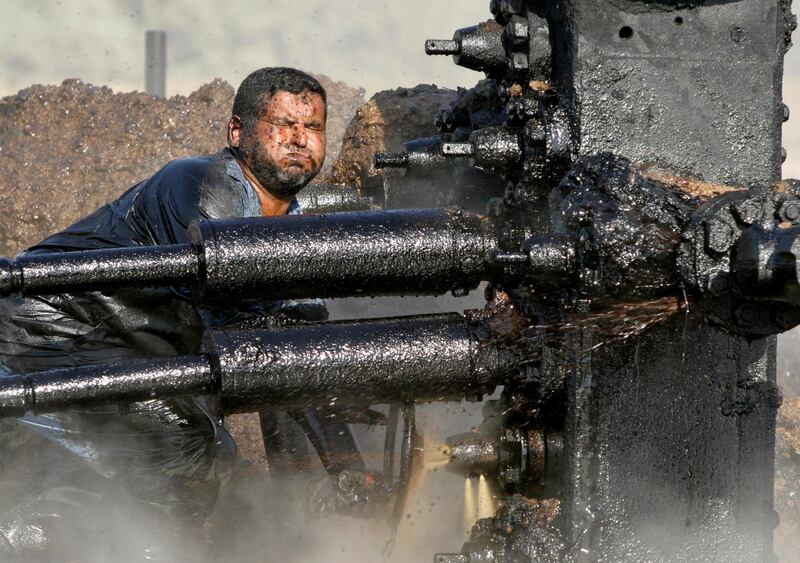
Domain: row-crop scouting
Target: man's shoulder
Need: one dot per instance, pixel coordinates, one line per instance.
(193, 175)
(193, 166)
(198, 187)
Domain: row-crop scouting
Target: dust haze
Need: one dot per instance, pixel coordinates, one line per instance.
(372, 45)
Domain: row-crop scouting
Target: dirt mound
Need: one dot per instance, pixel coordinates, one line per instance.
(388, 120)
(787, 481)
(65, 150)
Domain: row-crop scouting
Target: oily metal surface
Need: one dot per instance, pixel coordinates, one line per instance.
(430, 357)
(371, 253)
(656, 467)
(134, 380)
(39, 274)
(424, 358)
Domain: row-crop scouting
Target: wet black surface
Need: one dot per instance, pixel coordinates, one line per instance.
(402, 252)
(341, 363)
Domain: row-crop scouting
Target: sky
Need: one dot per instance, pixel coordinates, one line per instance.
(374, 44)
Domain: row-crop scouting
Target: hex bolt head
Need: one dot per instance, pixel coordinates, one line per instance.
(787, 318)
(790, 211)
(517, 29)
(718, 284)
(518, 61)
(535, 132)
(746, 314)
(719, 236)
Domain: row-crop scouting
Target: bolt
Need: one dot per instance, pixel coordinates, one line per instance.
(442, 47)
(518, 61)
(787, 317)
(746, 314)
(535, 132)
(506, 8)
(517, 29)
(786, 112)
(390, 160)
(783, 155)
(790, 211)
(719, 236)
(718, 283)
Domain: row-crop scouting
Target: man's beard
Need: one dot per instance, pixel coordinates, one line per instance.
(278, 181)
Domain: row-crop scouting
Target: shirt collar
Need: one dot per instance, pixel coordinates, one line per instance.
(252, 205)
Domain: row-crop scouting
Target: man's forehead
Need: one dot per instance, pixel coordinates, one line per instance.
(303, 103)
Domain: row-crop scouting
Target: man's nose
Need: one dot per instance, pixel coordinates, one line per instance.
(299, 135)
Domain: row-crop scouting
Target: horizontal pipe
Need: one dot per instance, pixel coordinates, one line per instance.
(433, 357)
(398, 252)
(330, 198)
(356, 363)
(99, 269)
(128, 381)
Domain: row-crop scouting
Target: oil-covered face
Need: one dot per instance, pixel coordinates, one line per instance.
(286, 147)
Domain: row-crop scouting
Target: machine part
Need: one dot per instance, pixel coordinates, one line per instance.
(515, 458)
(414, 358)
(315, 199)
(98, 269)
(391, 252)
(491, 148)
(635, 485)
(410, 447)
(479, 47)
(370, 253)
(502, 538)
(350, 492)
(533, 147)
(420, 154)
(738, 255)
(625, 228)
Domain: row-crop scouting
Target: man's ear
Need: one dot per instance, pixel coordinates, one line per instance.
(234, 131)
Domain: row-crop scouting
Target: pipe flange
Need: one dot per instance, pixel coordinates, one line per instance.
(712, 263)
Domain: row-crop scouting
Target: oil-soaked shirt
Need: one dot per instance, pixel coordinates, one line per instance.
(66, 330)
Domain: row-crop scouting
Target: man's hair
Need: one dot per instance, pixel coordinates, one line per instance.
(260, 86)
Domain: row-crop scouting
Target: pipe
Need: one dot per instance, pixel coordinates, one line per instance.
(98, 269)
(401, 252)
(134, 380)
(402, 359)
(356, 362)
(155, 69)
(329, 198)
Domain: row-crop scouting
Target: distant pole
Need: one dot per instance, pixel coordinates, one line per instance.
(155, 69)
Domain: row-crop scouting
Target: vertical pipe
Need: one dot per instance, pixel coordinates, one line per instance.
(155, 65)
